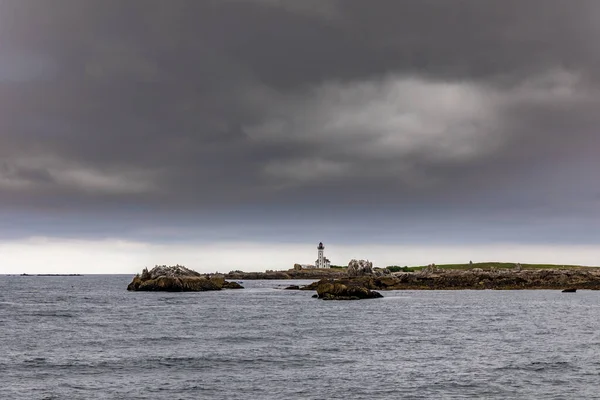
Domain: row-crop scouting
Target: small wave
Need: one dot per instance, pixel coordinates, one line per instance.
(35, 361)
(211, 362)
(545, 365)
(57, 314)
(538, 366)
(241, 339)
(164, 339)
(396, 297)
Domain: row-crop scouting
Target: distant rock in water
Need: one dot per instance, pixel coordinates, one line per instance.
(232, 285)
(570, 290)
(328, 289)
(178, 279)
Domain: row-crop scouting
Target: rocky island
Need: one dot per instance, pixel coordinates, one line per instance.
(349, 287)
(359, 280)
(435, 278)
(178, 279)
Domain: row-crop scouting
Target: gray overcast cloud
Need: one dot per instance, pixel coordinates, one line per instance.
(345, 113)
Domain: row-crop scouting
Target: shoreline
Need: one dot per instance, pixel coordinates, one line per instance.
(435, 278)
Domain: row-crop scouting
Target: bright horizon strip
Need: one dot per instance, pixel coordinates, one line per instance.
(113, 256)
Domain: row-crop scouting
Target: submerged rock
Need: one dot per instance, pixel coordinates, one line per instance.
(232, 285)
(570, 290)
(311, 286)
(178, 279)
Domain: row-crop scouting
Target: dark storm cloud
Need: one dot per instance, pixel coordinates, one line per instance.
(197, 104)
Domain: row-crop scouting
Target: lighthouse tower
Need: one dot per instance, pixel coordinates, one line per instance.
(321, 262)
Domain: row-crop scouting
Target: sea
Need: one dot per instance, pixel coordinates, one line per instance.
(87, 337)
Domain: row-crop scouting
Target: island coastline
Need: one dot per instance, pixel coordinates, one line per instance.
(452, 277)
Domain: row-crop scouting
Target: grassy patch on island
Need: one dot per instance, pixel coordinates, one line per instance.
(499, 265)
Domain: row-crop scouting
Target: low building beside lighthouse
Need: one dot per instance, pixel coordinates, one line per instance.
(322, 261)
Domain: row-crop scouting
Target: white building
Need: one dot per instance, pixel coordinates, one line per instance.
(322, 262)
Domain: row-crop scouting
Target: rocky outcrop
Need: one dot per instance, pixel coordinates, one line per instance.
(365, 268)
(178, 279)
(381, 272)
(348, 289)
(359, 268)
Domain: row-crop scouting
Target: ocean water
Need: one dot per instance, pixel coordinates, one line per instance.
(88, 338)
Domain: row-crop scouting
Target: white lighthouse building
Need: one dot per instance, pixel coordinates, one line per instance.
(321, 262)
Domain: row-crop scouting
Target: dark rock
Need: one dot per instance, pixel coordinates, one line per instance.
(232, 285)
(385, 282)
(570, 290)
(292, 287)
(345, 290)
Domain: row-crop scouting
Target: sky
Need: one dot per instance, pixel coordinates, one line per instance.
(237, 134)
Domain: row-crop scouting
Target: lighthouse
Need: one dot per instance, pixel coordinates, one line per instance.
(321, 262)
